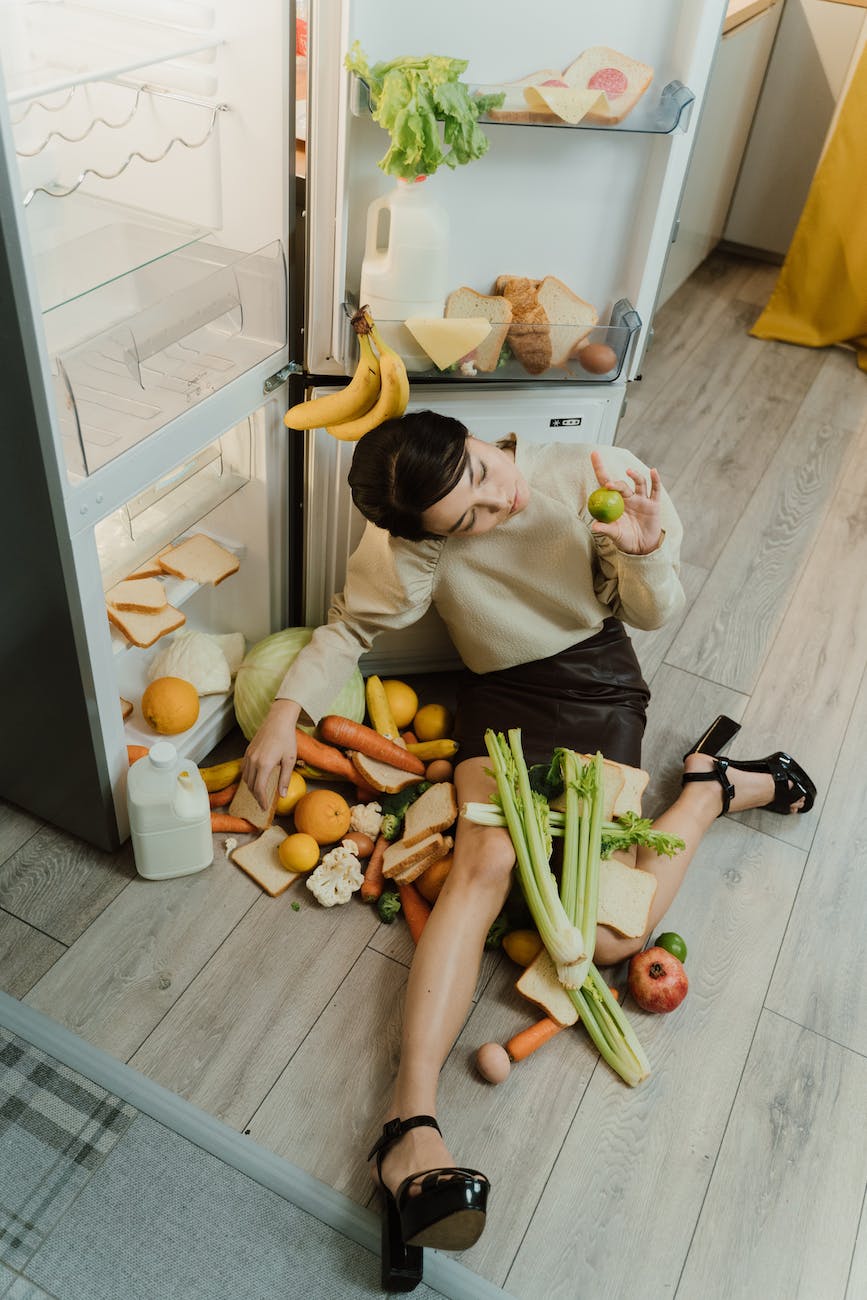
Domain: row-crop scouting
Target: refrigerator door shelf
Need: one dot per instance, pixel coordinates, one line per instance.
(165, 351)
(534, 344)
(50, 46)
(656, 113)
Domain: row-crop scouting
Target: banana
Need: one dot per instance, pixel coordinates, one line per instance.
(393, 395)
(379, 710)
(358, 396)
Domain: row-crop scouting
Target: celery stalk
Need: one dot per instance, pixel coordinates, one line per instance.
(590, 901)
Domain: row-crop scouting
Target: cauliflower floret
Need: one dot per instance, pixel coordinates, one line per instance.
(336, 878)
(367, 818)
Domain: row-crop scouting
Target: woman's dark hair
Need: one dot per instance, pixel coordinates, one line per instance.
(404, 466)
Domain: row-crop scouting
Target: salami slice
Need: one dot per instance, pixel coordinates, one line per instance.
(611, 80)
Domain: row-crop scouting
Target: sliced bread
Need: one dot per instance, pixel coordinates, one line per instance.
(260, 859)
(245, 804)
(570, 317)
(201, 559)
(381, 776)
(146, 595)
(530, 332)
(625, 896)
(126, 708)
(495, 308)
(144, 629)
(614, 778)
(540, 984)
(405, 862)
(435, 810)
(150, 568)
(622, 79)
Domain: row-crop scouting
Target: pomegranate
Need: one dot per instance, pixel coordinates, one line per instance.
(657, 980)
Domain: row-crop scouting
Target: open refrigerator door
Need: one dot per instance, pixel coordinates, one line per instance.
(560, 228)
(147, 206)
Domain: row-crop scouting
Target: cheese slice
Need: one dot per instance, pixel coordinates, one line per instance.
(447, 341)
(566, 102)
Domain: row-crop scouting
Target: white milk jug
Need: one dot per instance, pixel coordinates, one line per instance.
(169, 815)
(405, 267)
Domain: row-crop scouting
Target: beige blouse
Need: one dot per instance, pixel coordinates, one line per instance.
(534, 585)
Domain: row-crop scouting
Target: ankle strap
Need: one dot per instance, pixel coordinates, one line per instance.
(394, 1129)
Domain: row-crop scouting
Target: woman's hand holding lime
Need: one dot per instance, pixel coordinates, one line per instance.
(637, 530)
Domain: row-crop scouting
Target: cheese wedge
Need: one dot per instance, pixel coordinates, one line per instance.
(569, 103)
(446, 341)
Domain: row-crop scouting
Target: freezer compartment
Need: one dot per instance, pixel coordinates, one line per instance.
(659, 112)
(183, 328)
(222, 494)
(542, 352)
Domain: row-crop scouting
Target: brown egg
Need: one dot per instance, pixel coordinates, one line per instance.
(597, 358)
(363, 843)
(492, 1063)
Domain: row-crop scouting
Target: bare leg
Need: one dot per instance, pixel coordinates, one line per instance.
(692, 813)
(443, 974)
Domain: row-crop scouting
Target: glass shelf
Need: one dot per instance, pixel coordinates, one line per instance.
(84, 243)
(50, 46)
(650, 116)
(526, 349)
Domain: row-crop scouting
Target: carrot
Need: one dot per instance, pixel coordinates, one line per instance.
(532, 1037)
(408, 737)
(374, 881)
(325, 757)
(415, 909)
(135, 752)
(220, 798)
(354, 735)
(224, 822)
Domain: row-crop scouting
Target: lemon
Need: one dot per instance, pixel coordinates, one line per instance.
(402, 700)
(287, 801)
(432, 722)
(299, 852)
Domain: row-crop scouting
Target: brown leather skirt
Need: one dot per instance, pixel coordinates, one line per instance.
(591, 696)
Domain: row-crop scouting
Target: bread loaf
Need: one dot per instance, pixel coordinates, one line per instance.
(529, 335)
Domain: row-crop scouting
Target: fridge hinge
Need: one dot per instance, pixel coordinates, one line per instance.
(280, 376)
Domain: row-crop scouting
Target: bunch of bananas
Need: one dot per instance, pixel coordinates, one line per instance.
(378, 391)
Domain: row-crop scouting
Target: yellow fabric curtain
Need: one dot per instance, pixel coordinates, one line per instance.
(820, 296)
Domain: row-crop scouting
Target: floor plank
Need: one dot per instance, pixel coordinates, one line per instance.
(599, 1223)
(25, 955)
(229, 1036)
(136, 959)
(780, 1218)
(16, 828)
(819, 983)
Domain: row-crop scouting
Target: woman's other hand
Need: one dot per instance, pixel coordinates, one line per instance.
(638, 531)
(272, 746)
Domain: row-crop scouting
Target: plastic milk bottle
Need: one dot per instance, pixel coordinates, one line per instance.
(169, 815)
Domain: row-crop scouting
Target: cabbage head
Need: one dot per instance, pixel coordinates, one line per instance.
(262, 670)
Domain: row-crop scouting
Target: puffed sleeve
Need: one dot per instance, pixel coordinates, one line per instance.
(642, 590)
(388, 587)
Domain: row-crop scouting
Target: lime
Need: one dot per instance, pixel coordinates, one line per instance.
(672, 943)
(605, 504)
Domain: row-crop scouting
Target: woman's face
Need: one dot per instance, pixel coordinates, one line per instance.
(490, 490)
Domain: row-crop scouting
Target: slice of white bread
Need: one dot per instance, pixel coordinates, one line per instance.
(245, 804)
(571, 318)
(540, 984)
(435, 810)
(147, 595)
(404, 862)
(144, 629)
(126, 707)
(465, 302)
(201, 559)
(624, 81)
(260, 859)
(150, 568)
(381, 776)
(529, 334)
(514, 107)
(625, 896)
(614, 779)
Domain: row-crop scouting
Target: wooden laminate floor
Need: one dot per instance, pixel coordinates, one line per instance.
(739, 1168)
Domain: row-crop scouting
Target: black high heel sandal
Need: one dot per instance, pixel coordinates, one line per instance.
(791, 782)
(447, 1212)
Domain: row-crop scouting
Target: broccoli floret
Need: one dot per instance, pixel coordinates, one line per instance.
(388, 906)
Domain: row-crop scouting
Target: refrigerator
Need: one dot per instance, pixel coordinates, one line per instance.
(170, 287)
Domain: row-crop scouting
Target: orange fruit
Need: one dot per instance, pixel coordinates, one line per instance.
(287, 801)
(402, 700)
(298, 852)
(324, 814)
(430, 882)
(432, 722)
(170, 705)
